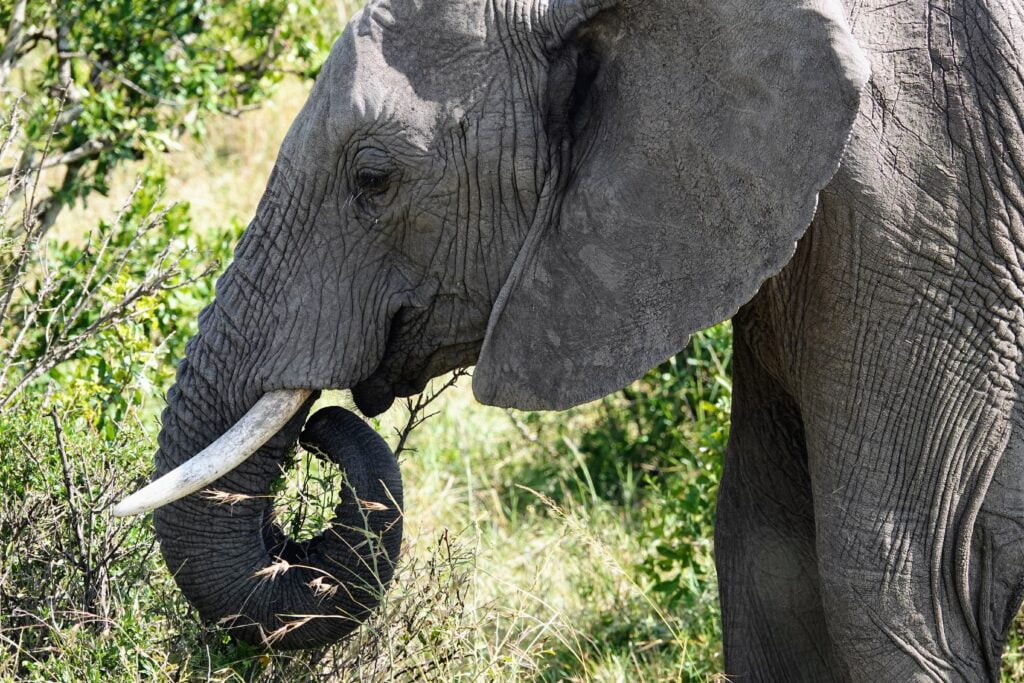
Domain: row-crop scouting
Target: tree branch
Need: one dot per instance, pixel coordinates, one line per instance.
(9, 54)
(81, 153)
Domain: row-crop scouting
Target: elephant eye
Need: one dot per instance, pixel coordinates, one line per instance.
(371, 181)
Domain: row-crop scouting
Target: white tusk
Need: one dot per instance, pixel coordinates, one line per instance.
(264, 420)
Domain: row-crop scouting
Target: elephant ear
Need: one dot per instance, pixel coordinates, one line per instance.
(691, 139)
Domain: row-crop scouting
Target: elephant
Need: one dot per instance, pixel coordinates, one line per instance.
(560, 192)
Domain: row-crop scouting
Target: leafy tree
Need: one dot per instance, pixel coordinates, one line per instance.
(104, 81)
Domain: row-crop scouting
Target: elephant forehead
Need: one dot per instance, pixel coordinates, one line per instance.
(361, 92)
(448, 50)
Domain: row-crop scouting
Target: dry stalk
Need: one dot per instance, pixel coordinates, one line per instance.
(417, 406)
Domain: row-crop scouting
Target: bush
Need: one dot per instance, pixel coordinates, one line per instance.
(674, 421)
(84, 596)
(88, 85)
(681, 411)
(669, 431)
(101, 319)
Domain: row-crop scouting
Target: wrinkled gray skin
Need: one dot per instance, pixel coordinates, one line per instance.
(561, 193)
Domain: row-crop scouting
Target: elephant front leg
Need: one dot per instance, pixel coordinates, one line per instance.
(772, 616)
(918, 486)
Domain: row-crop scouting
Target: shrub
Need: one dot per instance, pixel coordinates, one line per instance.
(102, 318)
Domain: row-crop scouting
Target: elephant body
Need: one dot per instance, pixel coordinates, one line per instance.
(561, 191)
(877, 436)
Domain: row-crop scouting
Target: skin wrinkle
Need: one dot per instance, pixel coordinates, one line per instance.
(937, 669)
(975, 504)
(469, 196)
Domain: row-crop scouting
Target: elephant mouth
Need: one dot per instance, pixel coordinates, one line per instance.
(373, 395)
(409, 376)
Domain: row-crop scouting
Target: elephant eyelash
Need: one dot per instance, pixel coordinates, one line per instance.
(370, 185)
(369, 181)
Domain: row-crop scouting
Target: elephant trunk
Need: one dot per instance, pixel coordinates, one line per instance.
(227, 553)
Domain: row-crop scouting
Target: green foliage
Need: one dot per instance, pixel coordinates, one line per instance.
(94, 318)
(622, 491)
(103, 317)
(63, 557)
(591, 530)
(669, 431)
(85, 597)
(104, 81)
(89, 85)
(682, 409)
(674, 420)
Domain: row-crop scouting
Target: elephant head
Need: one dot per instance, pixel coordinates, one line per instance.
(559, 191)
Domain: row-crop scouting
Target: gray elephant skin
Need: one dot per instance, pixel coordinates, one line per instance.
(560, 192)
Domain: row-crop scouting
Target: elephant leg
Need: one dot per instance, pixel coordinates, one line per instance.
(867, 535)
(915, 448)
(920, 552)
(772, 617)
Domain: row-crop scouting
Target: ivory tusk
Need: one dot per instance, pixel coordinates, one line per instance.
(264, 420)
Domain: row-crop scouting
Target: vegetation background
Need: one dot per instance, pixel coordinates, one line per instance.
(136, 139)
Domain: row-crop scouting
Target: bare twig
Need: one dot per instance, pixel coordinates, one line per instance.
(120, 312)
(12, 269)
(417, 406)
